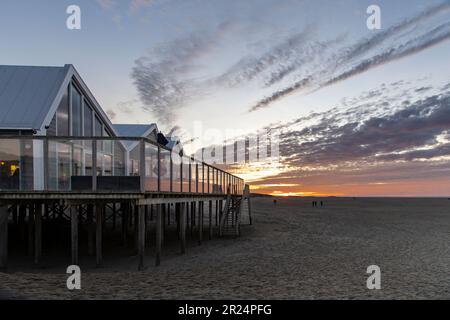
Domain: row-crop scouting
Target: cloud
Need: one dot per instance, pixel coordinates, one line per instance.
(432, 38)
(350, 61)
(165, 78)
(281, 93)
(250, 67)
(410, 133)
(106, 4)
(136, 5)
(385, 142)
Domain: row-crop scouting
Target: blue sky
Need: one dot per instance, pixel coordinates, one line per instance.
(176, 62)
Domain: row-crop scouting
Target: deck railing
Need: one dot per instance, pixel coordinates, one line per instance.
(105, 164)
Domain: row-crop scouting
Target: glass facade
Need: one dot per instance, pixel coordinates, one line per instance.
(151, 167)
(176, 173)
(76, 111)
(87, 118)
(62, 116)
(70, 163)
(186, 175)
(164, 170)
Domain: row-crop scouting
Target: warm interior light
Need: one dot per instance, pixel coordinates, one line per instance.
(13, 169)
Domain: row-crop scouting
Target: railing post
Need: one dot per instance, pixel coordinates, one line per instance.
(45, 157)
(159, 168)
(171, 173)
(196, 178)
(94, 165)
(142, 164)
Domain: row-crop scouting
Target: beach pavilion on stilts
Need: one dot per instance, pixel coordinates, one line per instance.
(70, 178)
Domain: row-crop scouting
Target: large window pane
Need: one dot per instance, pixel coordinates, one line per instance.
(186, 175)
(98, 128)
(151, 167)
(200, 178)
(176, 173)
(62, 117)
(165, 170)
(9, 164)
(76, 112)
(87, 120)
(194, 174)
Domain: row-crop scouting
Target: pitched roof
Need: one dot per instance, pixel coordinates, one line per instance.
(134, 130)
(26, 94)
(30, 95)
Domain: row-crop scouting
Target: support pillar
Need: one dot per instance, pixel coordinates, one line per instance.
(177, 218)
(249, 203)
(141, 236)
(114, 212)
(74, 233)
(183, 227)
(91, 227)
(201, 208)
(30, 226)
(125, 208)
(210, 221)
(159, 232)
(217, 212)
(99, 235)
(3, 237)
(38, 235)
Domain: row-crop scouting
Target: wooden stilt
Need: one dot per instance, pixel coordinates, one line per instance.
(249, 203)
(38, 234)
(15, 214)
(114, 211)
(125, 210)
(177, 218)
(21, 223)
(192, 222)
(183, 214)
(30, 225)
(168, 214)
(99, 235)
(210, 221)
(200, 222)
(3, 237)
(163, 222)
(74, 234)
(141, 236)
(159, 233)
(217, 212)
(187, 213)
(91, 227)
(136, 223)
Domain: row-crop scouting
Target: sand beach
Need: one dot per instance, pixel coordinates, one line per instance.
(293, 251)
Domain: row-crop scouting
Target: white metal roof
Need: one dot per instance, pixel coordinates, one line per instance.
(30, 95)
(134, 130)
(26, 94)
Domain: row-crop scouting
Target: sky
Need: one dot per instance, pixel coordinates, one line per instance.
(357, 112)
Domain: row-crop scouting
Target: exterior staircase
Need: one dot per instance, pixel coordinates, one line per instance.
(230, 221)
